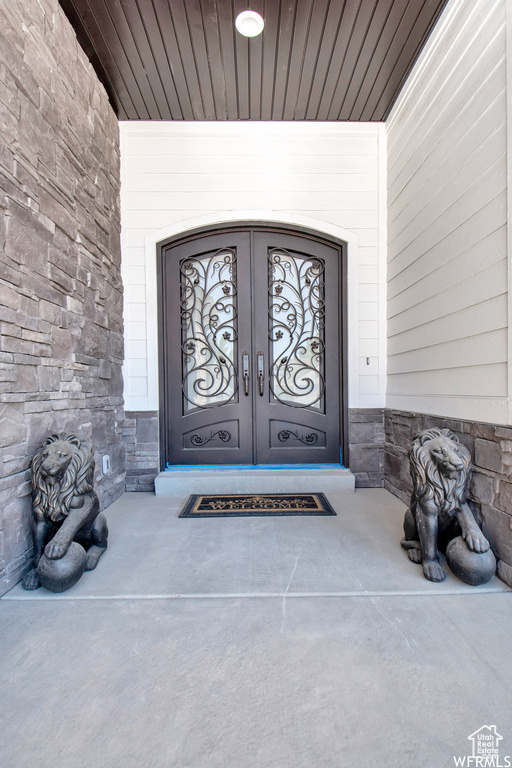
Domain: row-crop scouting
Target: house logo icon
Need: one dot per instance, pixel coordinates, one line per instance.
(485, 741)
(485, 750)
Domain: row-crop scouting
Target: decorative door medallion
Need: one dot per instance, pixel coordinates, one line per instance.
(250, 349)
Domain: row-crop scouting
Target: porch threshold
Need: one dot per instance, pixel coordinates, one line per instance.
(180, 481)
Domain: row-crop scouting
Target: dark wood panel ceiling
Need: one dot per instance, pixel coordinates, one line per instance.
(315, 60)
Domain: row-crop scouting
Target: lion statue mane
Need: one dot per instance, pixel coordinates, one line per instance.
(65, 505)
(435, 453)
(440, 470)
(53, 499)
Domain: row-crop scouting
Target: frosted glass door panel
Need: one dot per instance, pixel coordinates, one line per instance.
(296, 329)
(209, 322)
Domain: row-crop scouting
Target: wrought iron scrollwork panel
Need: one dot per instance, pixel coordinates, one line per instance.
(217, 436)
(198, 439)
(310, 439)
(209, 328)
(287, 434)
(296, 288)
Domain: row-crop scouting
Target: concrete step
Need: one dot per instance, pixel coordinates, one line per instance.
(181, 481)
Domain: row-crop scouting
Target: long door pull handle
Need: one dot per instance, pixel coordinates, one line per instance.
(261, 372)
(245, 372)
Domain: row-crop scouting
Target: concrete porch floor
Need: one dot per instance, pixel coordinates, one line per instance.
(281, 642)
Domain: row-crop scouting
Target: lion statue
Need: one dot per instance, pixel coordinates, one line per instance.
(67, 524)
(438, 513)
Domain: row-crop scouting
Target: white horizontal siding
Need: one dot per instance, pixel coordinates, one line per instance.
(449, 73)
(486, 380)
(425, 182)
(487, 348)
(448, 305)
(487, 285)
(201, 200)
(267, 143)
(492, 410)
(455, 325)
(435, 224)
(296, 183)
(177, 173)
(216, 164)
(446, 290)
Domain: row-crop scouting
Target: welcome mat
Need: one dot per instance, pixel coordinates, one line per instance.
(259, 505)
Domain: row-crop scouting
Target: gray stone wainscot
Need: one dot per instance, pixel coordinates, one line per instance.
(140, 435)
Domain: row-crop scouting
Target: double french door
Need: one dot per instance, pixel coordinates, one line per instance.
(251, 349)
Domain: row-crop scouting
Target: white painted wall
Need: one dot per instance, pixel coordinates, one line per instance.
(448, 282)
(329, 177)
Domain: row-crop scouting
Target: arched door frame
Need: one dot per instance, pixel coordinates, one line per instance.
(301, 224)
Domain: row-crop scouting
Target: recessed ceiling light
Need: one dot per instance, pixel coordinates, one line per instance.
(249, 23)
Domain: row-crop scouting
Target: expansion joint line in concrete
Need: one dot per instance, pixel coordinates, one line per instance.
(255, 595)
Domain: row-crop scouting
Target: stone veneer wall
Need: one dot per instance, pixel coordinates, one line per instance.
(490, 494)
(142, 450)
(61, 342)
(366, 446)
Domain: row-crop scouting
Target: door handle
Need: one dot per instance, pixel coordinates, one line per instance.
(245, 372)
(261, 371)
